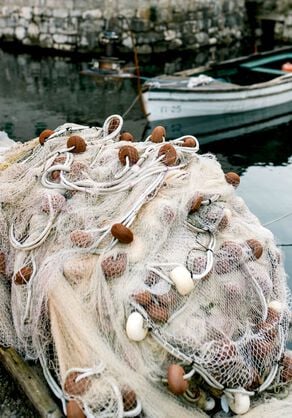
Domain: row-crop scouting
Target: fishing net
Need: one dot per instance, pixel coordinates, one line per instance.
(137, 277)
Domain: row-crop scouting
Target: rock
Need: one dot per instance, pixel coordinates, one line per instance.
(212, 41)
(169, 35)
(144, 49)
(20, 33)
(33, 30)
(75, 13)
(92, 14)
(7, 31)
(39, 11)
(8, 10)
(288, 20)
(127, 42)
(60, 39)
(140, 25)
(27, 41)
(83, 41)
(61, 13)
(46, 41)
(202, 38)
(175, 43)
(63, 47)
(26, 13)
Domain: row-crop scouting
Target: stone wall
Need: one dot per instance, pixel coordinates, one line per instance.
(276, 15)
(73, 25)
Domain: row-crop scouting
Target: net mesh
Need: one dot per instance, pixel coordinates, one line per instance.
(137, 276)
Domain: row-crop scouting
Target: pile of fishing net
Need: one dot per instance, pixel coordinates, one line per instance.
(137, 277)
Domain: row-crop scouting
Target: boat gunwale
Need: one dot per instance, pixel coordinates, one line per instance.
(233, 61)
(281, 80)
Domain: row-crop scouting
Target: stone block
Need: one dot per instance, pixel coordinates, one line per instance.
(26, 13)
(212, 41)
(63, 47)
(21, 22)
(8, 10)
(52, 30)
(39, 11)
(8, 31)
(169, 35)
(201, 25)
(44, 26)
(75, 13)
(127, 42)
(71, 39)
(27, 41)
(46, 41)
(212, 30)
(129, 13)
(160, 48)
(175, 43)
(83, 42)
(20, 33)
(144, 49)
(288, 20)
(287, 34)
(92, 14)
(140, 25)
(51, 3)
(11, 22)
(162, 28)
(58, 22)
(73, 22)
(33, 30)
(60, 13)
(2, 22)
(144, 13)
(238, 35)
(202, 38)
(60, 39)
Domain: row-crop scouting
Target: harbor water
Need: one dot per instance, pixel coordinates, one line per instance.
(44, 92)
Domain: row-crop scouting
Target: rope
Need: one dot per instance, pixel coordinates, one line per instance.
(131, 106)
(278, 219)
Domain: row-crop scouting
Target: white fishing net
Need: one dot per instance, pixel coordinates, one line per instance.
(138, 278)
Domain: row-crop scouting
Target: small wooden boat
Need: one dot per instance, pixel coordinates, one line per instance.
(109, 68)
(210, 128)
(236, 86)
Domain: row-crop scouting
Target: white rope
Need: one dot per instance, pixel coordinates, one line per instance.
(124, 170)
(134, 412)
(86, 372)
(29, 290)
(36, 242)
(50, 380)
(131, 106)
(106, 125)
(240, 390)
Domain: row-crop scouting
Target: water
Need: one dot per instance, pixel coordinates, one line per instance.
(45, 92)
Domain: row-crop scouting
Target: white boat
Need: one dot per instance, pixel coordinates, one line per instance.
(232, 87)
(212, 128)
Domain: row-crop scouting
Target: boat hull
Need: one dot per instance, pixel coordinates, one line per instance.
(219, 127)
(164, 104)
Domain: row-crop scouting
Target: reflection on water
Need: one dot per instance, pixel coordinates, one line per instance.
(38, 93)
(45, 92)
